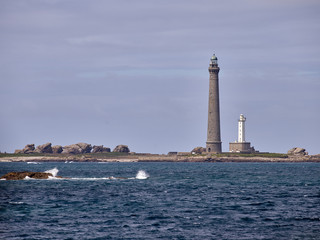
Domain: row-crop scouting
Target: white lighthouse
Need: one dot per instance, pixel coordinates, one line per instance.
(241, 129)
(241, 145)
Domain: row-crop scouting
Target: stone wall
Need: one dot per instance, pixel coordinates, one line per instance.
(240, 147)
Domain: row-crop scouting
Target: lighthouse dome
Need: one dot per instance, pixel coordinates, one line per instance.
(214, 57)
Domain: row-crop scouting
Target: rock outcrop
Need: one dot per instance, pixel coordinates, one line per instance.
(71, 149)
(57, 149)
(297, 151)
(77, 148)
(45, 148)
(121, 148)
(29, 148)
(23, 175)
(198, 150)
(100, 149)
(85, 147)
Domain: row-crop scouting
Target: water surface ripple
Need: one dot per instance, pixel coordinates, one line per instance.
(177, 201)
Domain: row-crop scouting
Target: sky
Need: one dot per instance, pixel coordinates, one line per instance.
(110, 72)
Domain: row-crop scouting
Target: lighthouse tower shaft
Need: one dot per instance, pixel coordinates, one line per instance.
(213, 135)
(241, 129)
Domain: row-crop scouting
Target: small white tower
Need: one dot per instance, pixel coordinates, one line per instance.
(241, 129)
(241, 145)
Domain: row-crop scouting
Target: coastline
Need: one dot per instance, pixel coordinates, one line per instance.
(157, 158)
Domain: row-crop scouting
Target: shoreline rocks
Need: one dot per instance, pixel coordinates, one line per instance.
(57, 149)
(121, 148)
(297, 151)
(100, 149)
(198, 150)
(44, 148)
(78, 148)
(23, 175)
(29, 148)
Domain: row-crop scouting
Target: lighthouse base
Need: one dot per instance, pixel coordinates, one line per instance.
(241, 147)
(213, 147)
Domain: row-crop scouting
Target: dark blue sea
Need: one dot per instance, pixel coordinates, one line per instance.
(165, 201)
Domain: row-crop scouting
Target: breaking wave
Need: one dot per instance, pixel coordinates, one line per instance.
(91, 179)
(53, 171)
(142, 175)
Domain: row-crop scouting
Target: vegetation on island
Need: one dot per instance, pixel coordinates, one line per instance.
(251, 155)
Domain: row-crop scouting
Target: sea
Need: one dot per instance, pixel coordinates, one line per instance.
(162, 201)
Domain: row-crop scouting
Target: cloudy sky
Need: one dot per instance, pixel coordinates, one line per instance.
(136, 72)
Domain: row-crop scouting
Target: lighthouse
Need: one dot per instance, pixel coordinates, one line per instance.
(213, 143)
(241, 145)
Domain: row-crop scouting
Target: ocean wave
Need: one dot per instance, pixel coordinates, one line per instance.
(90, 179)
(142, 175)
(16, 203)
(53, 171)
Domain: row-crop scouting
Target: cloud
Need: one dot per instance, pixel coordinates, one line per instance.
(111, 72)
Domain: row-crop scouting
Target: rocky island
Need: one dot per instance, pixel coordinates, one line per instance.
(84, 152)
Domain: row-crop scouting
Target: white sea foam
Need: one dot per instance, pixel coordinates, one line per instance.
(53, 171)
(16, 203)
(102, 178)
(142, 175)
(54, 178)
(33, 163)
(27, 178)
(91, 179)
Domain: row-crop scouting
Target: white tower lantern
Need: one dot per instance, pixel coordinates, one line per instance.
(241, 129)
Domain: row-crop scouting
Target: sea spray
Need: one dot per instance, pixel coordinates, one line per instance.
(53, 171)
(142, 175)
(91, 179)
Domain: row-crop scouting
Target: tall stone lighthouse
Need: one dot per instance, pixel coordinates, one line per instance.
(213, 135)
